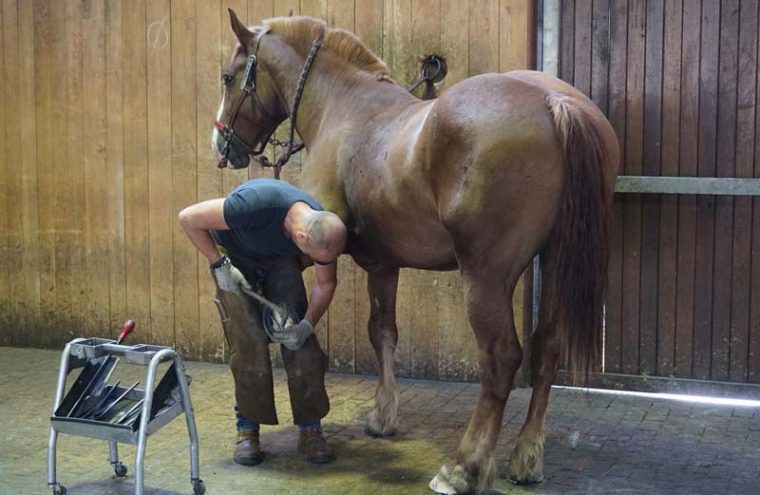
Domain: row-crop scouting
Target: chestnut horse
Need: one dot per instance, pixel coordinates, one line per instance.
(499, 168)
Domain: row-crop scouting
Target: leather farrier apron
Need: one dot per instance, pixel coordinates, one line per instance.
(280, 281)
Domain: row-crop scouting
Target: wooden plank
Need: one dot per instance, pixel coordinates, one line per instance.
(12, 295)
(455, 33)
(711, 186)
(650, 211)
(95, 142)
(600, 53)
(724, 206)
(75, 224)
(582, 46)
(427, 329)
(368, 26)
(186, 257)
(340, 14)
(318, 9)
(753, 359)
(684, 344)
(397, 52)
(43, 89)
(550, 37)
(667, 273)
(63, 229)
(28, 165)
(6, 311)
(633, 166)
(616, 114)
(516, 35)
(136, 212)
(208, 88)
(745, 144)
(484, 36)
(115, 163)
(161, 216)
(567, 41)
(708, 109)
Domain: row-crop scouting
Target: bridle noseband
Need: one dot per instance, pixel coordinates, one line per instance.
(248, 88)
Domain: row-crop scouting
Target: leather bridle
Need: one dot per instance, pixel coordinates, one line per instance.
(248, 88)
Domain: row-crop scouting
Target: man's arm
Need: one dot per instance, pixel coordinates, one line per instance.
(198, 219)
(322, 291)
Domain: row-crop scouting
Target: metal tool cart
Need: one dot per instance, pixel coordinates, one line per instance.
(95, 409)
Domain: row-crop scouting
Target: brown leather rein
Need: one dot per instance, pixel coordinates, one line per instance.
(248, 88)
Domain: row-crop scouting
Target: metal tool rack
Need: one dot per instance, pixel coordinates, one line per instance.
(77, 354)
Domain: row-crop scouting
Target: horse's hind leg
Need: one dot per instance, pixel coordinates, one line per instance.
(489, 308)
(526, 463)
(383, 334)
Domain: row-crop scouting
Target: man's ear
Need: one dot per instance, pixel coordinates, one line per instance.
(243, 34)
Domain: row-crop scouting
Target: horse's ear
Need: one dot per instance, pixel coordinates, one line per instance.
(244, 35)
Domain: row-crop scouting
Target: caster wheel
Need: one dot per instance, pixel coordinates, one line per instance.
(59, 490)
(198, 487)
(120, 469)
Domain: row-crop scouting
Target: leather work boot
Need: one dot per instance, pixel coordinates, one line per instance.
(312, 444)
(247, 451)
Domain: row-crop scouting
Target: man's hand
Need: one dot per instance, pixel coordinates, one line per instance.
(229, 278)
(293, 336)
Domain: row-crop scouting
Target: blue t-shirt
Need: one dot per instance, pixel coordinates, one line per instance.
(255, 212)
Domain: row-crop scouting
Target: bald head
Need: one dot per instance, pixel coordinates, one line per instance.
(326, 233)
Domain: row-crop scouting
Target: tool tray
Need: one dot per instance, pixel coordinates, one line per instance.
(94, 408)
(84, 351)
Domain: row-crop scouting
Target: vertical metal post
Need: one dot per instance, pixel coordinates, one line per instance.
(142, 433)
(187, 404)
(113, 452)
(63, 370)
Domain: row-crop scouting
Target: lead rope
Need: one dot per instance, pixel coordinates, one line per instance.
(292, 146)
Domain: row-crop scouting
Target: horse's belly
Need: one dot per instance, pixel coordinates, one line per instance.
(402, 240)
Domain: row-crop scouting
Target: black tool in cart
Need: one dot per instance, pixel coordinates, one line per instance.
(93, 407)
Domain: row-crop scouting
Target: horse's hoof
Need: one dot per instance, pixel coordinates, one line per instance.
(372, 432)
(379, 428)
(441, 486)
(526, 465)
(452, 481)
(530, 480)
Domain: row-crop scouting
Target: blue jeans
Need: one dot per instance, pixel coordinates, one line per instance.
(244, 423)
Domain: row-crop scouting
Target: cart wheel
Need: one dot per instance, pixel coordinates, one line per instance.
(59, 490)
(120, 469)
(198, 487)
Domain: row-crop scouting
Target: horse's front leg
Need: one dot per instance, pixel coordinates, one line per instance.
(499, 355)
(383, 333)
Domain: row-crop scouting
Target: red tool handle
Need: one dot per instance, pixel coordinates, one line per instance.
(126, 329)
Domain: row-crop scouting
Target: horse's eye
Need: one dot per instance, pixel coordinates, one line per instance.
(227, 79)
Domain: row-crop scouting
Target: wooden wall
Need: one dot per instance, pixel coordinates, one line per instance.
(678, 80)
(105, 122)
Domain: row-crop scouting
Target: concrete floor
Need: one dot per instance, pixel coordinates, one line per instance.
(596, 443)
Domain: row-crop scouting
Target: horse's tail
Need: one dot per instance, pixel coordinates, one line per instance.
(578, 249)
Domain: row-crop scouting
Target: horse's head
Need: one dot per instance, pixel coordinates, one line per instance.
(250, 110)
